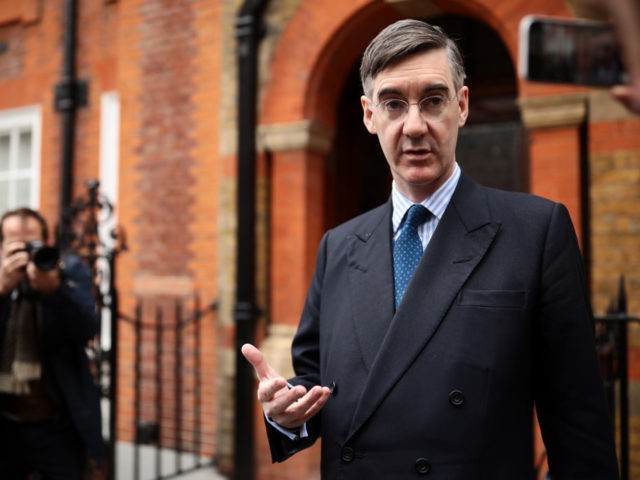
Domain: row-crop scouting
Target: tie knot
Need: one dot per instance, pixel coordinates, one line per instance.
(417, 215)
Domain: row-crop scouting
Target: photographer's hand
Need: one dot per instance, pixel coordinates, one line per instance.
(43, 281)
(12, 267)
(628, 95)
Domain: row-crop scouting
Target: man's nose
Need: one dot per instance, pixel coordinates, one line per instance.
(414, 122)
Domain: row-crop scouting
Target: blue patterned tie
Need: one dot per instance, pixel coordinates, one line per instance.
(407, 250)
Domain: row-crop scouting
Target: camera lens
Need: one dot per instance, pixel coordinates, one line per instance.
(45, 258)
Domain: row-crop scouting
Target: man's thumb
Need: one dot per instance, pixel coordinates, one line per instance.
(256, 358)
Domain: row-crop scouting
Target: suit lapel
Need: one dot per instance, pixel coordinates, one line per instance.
(458, 245)
(371, 281)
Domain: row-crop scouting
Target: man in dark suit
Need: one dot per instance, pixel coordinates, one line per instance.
(49, 404)
(440, 376)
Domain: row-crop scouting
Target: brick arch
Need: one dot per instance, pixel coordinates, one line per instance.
(320, 45)
(314, 55)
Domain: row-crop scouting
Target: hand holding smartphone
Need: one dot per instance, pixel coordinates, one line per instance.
(571, 51)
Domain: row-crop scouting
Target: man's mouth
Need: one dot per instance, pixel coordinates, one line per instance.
(416, 152)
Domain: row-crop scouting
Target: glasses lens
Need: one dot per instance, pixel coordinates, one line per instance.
(431, 107)
(434, 105)
(393, 108)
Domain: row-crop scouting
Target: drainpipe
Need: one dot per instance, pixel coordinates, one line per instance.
(585, 195)
(249, 30)
(69, 96)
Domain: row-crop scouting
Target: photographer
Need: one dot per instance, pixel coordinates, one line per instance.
(625, 15)
(49, 404)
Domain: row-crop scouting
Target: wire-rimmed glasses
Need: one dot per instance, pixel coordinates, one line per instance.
(431, 107)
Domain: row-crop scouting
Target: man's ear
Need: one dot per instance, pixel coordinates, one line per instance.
(463, 105)
(367, 114)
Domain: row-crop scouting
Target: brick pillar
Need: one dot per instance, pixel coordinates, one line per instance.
(554, 148)
(297, 210)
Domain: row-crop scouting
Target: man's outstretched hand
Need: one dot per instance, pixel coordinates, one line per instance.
(289, 407)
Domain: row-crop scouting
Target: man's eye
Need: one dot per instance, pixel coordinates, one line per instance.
(394, 105)
(434, 101)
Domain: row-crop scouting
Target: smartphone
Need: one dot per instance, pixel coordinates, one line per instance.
(571, 51)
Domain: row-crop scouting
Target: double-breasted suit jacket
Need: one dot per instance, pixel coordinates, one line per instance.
(495, 318)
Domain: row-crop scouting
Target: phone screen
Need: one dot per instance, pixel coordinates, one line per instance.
(572, 51)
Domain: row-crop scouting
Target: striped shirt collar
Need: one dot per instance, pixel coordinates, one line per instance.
(436, 203)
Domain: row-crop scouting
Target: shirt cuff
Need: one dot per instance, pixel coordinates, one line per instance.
(291, 434)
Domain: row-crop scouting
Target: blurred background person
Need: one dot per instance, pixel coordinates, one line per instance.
(625, 15)
(49, 403)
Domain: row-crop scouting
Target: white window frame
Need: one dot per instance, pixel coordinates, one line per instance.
(109, 172)
(14, 121)
(109, 145)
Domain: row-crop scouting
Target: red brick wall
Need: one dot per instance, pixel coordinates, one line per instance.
(168, 78)
(162, 58)
(554, 170)
(28, 70)
(615, 196)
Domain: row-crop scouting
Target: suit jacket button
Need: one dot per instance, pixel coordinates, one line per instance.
(423, 466)
(334, 388)
(348, 454)
(456, 398)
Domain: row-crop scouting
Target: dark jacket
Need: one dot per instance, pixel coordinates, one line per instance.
(69, 321)
(495, 318)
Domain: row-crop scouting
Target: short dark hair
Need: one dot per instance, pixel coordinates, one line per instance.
(24, 213)
(402, 39)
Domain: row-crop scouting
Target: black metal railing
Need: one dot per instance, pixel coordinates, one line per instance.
(89, 229)
(612, 346)
(612, 349)
(168, 401)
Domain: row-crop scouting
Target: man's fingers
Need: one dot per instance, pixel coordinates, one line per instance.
(322, 398)
(301, 410)
(629, 97)
(268, 389)
(260, 364)
(313, 400)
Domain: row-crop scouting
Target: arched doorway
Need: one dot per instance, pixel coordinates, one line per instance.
(489, 146)
(358, 177)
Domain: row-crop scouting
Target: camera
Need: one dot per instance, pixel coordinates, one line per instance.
(44, 257)
(571, 51)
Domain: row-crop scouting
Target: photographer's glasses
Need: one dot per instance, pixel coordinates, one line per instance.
(431, 107)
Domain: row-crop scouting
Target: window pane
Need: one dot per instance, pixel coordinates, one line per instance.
(24, 150)
(4, 196)
(18, 137)
(4, 152)
(23, 193)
